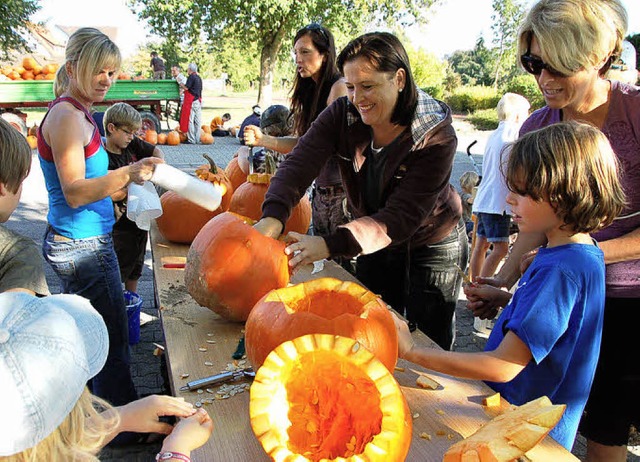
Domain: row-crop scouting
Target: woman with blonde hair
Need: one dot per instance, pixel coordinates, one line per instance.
(78, 242)
(568, 45)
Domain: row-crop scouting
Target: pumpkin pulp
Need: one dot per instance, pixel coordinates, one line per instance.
(329, 421)
(326, 303)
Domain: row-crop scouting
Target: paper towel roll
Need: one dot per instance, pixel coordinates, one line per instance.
(197, 191)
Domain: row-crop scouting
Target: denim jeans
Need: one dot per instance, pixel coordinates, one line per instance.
(421, 283)
(89, 267)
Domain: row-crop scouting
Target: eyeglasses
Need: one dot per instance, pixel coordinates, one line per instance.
(126, 131)
(534, 65)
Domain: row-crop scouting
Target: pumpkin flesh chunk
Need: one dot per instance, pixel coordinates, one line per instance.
(334, 407)
(327, 303)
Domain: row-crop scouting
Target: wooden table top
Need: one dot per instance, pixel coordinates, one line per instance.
(447, 415)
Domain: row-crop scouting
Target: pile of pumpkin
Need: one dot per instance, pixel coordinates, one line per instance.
(29, 70)
(177, 136)
(305, 339)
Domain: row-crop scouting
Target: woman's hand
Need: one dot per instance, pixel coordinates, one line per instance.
(485, 298)
(190, 433)
(142, 415)
(305, 249)
(405, 340)
(142, 171)
(270, 227)
(252, 136)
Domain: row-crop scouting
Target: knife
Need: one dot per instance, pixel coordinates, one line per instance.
(217, 379)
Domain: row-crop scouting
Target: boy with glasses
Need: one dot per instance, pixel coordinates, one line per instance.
(121, 123)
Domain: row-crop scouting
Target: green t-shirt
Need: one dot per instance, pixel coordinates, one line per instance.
(21, 264)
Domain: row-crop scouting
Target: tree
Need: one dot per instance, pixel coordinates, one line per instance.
(14, 15)
(474, 66)
(266, 24)
(506, 18)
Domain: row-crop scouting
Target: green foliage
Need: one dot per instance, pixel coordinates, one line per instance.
(508, 15)
(475, 67)
(484, 119)
(472, 98)
(635, 41)
(428, 70)
(526, 86)
(14, 15)
(436, 91)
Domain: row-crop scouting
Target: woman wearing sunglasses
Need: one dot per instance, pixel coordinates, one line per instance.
(568, 45)
(395, 146)
(317, 84)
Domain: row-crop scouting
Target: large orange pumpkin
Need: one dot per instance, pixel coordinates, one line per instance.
(162, 138)
(151, 136)
(230, 266)
(325, 397)
(173, 138)
(206, 138)
(323, 306)
(248, 198)
(235, 173)
(181, 219)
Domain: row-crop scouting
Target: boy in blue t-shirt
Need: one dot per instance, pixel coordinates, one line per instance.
(562, 181)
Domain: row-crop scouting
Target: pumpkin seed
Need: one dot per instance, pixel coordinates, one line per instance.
(200, 391)
(425, 436)
(184, 376)
(202, 349)
(208, 363)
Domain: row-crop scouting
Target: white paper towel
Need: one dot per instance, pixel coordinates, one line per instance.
(143, 204)
(200, 192)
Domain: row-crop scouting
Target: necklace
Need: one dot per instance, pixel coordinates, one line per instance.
(376, 150)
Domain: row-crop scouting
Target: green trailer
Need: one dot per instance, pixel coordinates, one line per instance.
(156, 100)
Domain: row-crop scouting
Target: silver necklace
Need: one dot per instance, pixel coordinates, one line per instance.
(376, 150)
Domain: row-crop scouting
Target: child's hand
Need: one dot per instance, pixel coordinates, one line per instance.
(143, 415)
(190, 433)
(405, 340)
(484, 300)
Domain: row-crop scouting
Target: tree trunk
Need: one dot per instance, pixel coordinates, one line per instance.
(267, 66)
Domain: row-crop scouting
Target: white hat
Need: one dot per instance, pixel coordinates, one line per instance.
(627, 59)
(49, 348)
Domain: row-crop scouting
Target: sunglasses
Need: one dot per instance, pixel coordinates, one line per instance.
(317, 27)
(534, 65)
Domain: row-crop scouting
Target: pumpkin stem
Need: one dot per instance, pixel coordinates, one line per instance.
(214, 168)
(269, 164)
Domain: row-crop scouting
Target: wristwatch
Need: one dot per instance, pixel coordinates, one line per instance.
(168, 455)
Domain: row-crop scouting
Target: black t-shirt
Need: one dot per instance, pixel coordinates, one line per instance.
(137, 149)
(194, 85)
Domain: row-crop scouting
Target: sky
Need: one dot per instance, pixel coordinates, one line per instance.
(455, 25)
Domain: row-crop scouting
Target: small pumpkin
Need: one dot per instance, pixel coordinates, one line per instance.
(323, 306)
(33, 130)
(181, 219)
(173, 138)
(151, 136)
(326, 397)
(235, 173)
(206, 129)
(206, 138)
(230, 266)
(33, 141)
(29, 63)
(248, 198)
(162, 138)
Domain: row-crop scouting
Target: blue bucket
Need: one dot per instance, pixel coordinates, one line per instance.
(134, 303)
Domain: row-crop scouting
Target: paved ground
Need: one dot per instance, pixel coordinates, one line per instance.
(30, 220)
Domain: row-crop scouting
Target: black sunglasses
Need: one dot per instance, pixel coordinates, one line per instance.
(534, 65)
(317, 27)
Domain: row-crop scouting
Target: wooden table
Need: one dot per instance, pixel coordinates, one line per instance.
(448, 414)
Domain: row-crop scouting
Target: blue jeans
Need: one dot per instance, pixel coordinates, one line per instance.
(421, 283)
(89, 267)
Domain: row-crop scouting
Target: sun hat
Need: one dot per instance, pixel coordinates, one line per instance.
(627, 59)
(257, 110)
(49, 348)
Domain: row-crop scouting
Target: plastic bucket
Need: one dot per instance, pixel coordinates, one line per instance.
(134, 303)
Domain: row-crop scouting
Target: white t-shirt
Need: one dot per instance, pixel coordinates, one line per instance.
(492, 192)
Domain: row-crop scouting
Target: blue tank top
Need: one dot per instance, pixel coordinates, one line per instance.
(88, 220)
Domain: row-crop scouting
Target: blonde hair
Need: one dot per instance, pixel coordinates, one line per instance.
(469, 180)
(572, 166)
(122, 115)
(15, 157)
(79, 437)
(88, 51)
(513, 107)
(575, 34)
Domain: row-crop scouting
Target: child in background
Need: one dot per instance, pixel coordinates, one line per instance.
(219, 125)
(50, 348)
(562, 181)
(121, 123)
(468, 181)
(490, 205)
(21, 263)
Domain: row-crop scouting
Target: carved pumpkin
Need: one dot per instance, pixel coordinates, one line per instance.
(181, 219)
(151, 136)
(323, 306)
(33, 141)
(235, 174)
(206, 138)
(173, 138)
(248, 198)
(326, 397)
(230, 266)
(162, 138)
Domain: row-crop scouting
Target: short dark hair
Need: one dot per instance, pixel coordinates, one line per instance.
(386, 54)
(15, 157)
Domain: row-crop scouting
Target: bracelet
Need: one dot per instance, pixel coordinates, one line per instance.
(172, 455)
